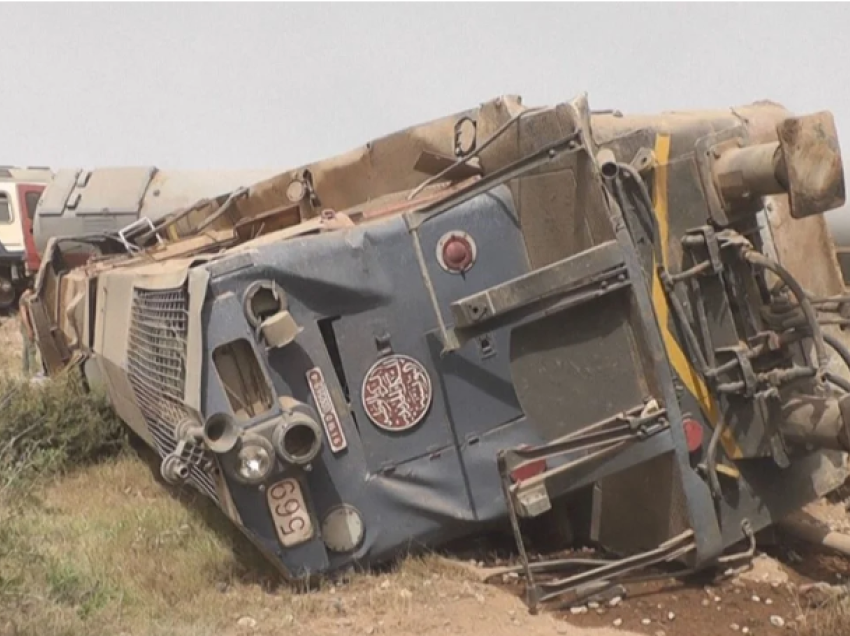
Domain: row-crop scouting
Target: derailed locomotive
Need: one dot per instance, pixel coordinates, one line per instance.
(463, 323)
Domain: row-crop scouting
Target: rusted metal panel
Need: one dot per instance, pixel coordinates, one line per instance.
(812, 164)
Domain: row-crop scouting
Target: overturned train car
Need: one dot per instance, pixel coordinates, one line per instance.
(463, 323)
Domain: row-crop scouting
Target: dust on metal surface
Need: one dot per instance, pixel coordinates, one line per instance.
(502, 314)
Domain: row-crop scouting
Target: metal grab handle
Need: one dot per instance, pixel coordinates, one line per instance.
(140, 223)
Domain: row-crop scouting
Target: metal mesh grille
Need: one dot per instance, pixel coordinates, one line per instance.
(156, 360)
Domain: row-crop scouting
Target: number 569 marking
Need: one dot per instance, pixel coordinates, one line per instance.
(291, 519)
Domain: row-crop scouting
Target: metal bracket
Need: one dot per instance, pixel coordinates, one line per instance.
(529, 497)
(415, 219)
(629, 426)
(595, 266)
(707, 150)
(706, 238)
(533, 501)
(748, 375)
(384, 345)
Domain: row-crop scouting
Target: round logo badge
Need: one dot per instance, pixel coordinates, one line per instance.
(396, 393)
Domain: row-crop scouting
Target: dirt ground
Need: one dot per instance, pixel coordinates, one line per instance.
(119, 553)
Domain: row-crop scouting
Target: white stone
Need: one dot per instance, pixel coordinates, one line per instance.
(777, 621)
(247, 621)
(617, 622)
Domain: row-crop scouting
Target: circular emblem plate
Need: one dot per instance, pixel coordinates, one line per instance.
(396, 393)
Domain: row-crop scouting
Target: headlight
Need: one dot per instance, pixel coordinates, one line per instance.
(254, 460)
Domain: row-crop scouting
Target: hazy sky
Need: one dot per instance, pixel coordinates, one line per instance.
(277, 85)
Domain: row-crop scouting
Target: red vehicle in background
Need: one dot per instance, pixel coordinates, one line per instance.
(37, 204)
(20, 192)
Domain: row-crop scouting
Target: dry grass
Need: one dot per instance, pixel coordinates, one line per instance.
(11, 345)
(831, 618)
(110, 549)
(92, 541)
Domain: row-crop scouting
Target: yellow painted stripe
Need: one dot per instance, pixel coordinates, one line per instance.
(682, 366)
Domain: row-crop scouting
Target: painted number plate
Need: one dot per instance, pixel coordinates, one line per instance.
(291, 519)
(330, 419)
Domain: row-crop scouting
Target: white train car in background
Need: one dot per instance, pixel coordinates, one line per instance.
(37, 204)
(20, 192)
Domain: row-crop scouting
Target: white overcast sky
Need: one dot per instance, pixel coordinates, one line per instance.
(278, 85)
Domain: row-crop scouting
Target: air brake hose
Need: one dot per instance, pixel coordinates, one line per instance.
(760, 260)
(711, 458)
(843, 353)
(839, 348)
(612, 172)
(838, 381)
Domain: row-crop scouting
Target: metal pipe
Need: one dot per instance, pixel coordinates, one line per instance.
(744, 174)
(225, 207)
(469, 157)
(838, 381)
(760, 260)
(839, 348)
(607, 163)
(817, 535)
(711, 459)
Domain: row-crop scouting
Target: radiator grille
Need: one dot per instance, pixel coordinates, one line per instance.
(156, 361)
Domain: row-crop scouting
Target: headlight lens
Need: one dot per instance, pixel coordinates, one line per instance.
(254, 461)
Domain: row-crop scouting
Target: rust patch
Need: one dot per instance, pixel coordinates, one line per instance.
(813, 163)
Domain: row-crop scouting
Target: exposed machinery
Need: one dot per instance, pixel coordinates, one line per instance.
(469, 321)
(108, 200)
(37, 204)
